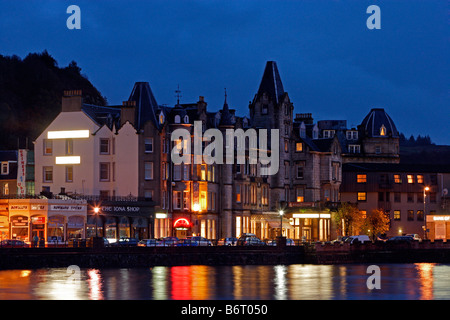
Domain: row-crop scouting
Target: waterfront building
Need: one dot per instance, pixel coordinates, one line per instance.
(411, 195)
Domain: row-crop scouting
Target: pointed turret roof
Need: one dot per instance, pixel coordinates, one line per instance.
(271, 82)
(146, 106)
(226, 116)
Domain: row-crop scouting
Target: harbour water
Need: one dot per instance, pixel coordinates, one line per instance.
(282, 282)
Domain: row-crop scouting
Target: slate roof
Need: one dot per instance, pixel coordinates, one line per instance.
(146, 106)
(373, 122)
(271, 83)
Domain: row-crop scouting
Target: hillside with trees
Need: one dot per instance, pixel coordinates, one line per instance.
(30, 95)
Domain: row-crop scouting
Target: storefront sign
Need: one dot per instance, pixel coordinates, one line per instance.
(19, 221)
(37, 220)
(18, 207)
(181, 224)
(21, 172)
(120, 209)
(441, 218)
(37, 207)
(66, 207)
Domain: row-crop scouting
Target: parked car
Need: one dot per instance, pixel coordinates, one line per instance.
(169, 241)
(289, 242)
(360, 238)
(401, 239)
(415, 236)
(227, 241)
(125, 242)
(187, 243)
(11, 243)
(149, 243)
(201, 241)
(105, 242)
(340, 239)
(250, 239)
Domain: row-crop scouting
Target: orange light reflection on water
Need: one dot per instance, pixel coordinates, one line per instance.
(425, 271)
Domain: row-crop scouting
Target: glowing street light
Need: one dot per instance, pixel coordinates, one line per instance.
(281, 212)
(424, 210)
(96, 211)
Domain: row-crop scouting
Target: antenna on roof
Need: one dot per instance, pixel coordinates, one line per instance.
(178, 95)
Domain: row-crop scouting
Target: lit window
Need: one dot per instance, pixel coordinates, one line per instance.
(203, 172)
(299, 147)
(397, 178)
(69, 173)
(48, 147)
(419, 178)
(361, 178)
(382, 130)
(238, 193)
(203, 202)
(410, 178)
(362, 196)
(69, 146)
(363, 213)
(48, 174)
(397, 215)
(300, 195)
(286, 146)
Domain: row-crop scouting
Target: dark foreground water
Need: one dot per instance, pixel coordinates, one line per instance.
(291, 282)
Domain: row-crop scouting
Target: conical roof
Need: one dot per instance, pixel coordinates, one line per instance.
(146, 106)
(271, 83)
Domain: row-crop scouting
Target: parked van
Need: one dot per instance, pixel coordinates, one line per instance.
(360, 238)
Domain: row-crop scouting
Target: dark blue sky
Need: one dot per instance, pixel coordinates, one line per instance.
(331, 64)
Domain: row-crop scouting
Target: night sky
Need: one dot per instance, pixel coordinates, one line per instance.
(331, 64)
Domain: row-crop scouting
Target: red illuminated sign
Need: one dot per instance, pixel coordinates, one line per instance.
(181, 223)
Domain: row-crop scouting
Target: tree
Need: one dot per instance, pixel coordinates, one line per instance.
(376, 223)
(348, 219)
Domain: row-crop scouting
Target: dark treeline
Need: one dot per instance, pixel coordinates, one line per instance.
(30, 95)
(415, 142)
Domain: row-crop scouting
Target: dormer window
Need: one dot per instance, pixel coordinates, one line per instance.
(382, 130)
(161, 118)
(352, 135)
(328, 133)
(186, 119)
(177, 119)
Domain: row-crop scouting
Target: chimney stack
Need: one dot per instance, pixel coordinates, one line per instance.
(128, 112)
(72, 101)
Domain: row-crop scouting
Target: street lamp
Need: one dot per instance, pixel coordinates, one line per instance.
(96, 211)
(424, 211)
(281, 212)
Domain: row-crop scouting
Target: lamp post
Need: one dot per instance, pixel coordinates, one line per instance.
(96, 211)
(424, 211)
(281, 212)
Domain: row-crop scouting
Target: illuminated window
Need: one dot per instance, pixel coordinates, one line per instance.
(203, 172)
(300, 196)
(361, 178)
(69, 173)
(69, 146)
(286, 146)
(397, 215)
(238, 193)
(382, 130)
(419, 215)
(48, 147)
(410, 178)
(397, 178)
(299, 147)
(48, 174)
(6, 189)
(186, 200)
(419, 178)
(363, 213)
(203, 202)
(362, 196)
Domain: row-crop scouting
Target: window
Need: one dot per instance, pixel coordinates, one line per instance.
(362, 196)
(148, 142)
(264, 109)
(410, 197)
(286, 146)
(5, 168)
(433, 179)
(69, 146)
(238, 193)
(363, 213)
(177, 119)
(265, 195)
(6, 189)
(377, 149)
(177, 199)
(352, 135)
(286, 169)
(104, 171)
(419, 197)
(148, 195)
(361, 178)
(177, 172)
(397, 215)
(419, 215)
(69, 173)
(148, 170)
(186, 200)
(328, 133)
(432, 197)
(300, 195)
(381, 196)
(48, 174)
(186, 171)
(410, 215)
(203, 201)
(203, 172)
(382, 130)
(104, 146)
(419, 178)
(104, 194)
(397, 197)
(410, 178)
(299, 147)
(48, 147)
(397, 178)
(354, 148)
(186, 119)
(299, 171)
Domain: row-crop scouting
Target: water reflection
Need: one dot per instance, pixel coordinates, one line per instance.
(282, 282)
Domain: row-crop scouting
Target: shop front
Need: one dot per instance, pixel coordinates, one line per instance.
(438, 227)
